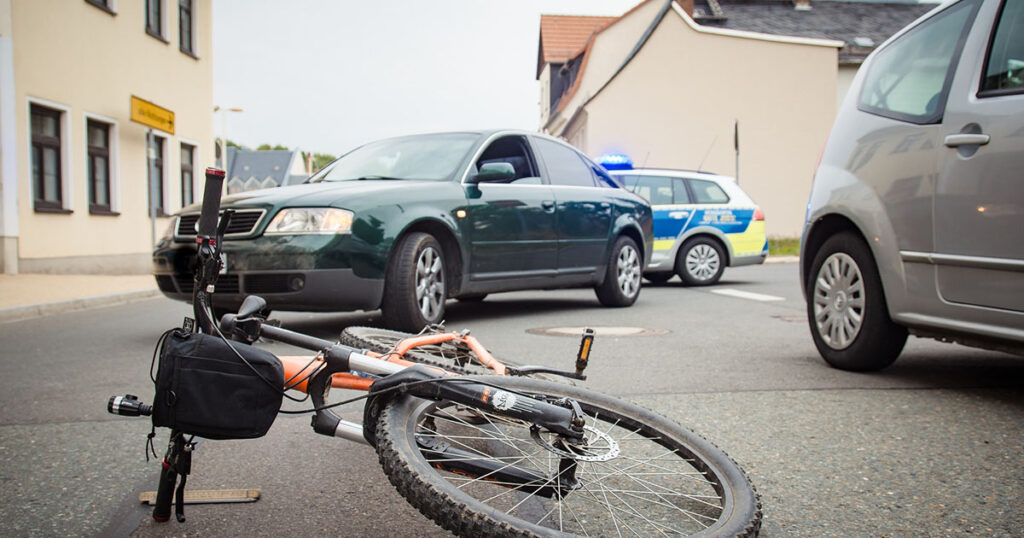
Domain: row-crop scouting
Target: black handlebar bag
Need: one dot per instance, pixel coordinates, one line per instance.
(209, 387)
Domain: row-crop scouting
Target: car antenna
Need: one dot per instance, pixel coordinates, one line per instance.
(701, 167)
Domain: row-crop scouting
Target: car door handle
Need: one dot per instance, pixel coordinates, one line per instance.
(966, 139)
(548, 206)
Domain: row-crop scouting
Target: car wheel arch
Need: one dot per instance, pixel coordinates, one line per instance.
(892, 278)
(450, 247)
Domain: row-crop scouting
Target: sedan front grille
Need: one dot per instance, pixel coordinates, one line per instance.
(243, 222)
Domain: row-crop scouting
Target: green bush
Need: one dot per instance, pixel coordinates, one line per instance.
(784, 246)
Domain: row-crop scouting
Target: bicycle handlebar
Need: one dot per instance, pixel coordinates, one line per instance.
(211, 202)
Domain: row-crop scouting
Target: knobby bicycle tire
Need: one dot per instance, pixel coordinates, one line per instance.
(451, 356)
(645, 476)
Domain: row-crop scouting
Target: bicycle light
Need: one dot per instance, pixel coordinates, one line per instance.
(128, 406)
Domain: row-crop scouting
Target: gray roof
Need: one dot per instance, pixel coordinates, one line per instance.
(259, 164)
(861, 25)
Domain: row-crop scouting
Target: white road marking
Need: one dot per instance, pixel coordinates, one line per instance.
(747, 295)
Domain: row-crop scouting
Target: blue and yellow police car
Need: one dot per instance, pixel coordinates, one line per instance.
(703, 222)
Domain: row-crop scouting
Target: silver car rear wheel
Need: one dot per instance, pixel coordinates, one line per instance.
(838, 301)
(846, 307)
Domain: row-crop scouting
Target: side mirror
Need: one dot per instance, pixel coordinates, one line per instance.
(494, 172)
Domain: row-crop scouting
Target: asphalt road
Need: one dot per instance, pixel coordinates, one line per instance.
(930, 446)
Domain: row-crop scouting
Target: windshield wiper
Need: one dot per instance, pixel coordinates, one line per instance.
(364, 178)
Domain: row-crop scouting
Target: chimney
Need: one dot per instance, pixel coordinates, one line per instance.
(802, 5)
(687, 6)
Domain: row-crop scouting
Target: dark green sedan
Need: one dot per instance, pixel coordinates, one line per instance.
(405, 224)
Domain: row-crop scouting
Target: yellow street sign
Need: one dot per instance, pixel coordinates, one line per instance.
(152, 115)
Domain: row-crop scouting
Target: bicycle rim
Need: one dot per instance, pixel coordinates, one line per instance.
(451, 356)
(643, 475)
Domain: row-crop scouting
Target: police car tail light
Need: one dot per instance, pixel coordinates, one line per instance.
(758, 214)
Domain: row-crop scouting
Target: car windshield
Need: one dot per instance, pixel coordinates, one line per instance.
(430, 157)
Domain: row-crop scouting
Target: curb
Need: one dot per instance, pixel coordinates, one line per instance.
(17, 313)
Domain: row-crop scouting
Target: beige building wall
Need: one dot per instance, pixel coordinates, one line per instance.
(88, 63)
(676, 102)
(610, 49)
(844, 79)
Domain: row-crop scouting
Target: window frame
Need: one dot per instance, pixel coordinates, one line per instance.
(65, 176)
(160, 32)
(987, 93)
(190, 48)
(109, 6)
(161, 165)
(108, 154)
(973, 6)
(193, 147)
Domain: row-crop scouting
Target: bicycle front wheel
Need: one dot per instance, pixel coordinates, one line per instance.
(639, 474)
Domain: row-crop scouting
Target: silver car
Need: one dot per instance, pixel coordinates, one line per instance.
(915, 222)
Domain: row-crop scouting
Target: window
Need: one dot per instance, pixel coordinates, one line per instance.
(909, 79)
(565, 166)
(156, 175)
(511, 150)
(105, 5)
(185, 26)
(98, 150)
(1004, 67)
(707, 192)
(155, 18)
(187, 193)
(658, 190)
(46, 159)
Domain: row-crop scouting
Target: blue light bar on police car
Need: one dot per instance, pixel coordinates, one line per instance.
(616, 162)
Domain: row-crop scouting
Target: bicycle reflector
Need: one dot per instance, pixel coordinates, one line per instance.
(584, 353)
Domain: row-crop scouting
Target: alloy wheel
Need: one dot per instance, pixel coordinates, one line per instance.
(430, 283)
(628, 271)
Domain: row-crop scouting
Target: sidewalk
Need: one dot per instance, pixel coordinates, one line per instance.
(33, 295)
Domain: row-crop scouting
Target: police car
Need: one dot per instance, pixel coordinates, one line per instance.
(703, 222)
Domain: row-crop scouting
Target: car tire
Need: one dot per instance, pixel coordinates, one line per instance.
(700, 261)
(846, 308)
(621, 285)
(415, 286)
(659, 278)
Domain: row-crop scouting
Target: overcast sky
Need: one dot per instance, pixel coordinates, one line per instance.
(328, 75)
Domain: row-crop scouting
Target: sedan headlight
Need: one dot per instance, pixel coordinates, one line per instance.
(310, 220)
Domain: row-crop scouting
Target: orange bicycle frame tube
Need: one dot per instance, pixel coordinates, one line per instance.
(439, 338)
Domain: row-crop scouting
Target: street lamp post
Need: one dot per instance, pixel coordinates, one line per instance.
(224, 132)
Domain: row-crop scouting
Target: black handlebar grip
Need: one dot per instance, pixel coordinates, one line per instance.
(211, 202)
(165, 492)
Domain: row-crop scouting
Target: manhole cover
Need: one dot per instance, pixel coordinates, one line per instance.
(576, 332)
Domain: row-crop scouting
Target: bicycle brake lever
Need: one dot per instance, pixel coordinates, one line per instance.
(527, 370)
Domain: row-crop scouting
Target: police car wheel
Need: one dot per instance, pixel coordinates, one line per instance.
(700, 262)
(846, 307)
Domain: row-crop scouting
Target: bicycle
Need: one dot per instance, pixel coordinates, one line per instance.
(484, 455)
